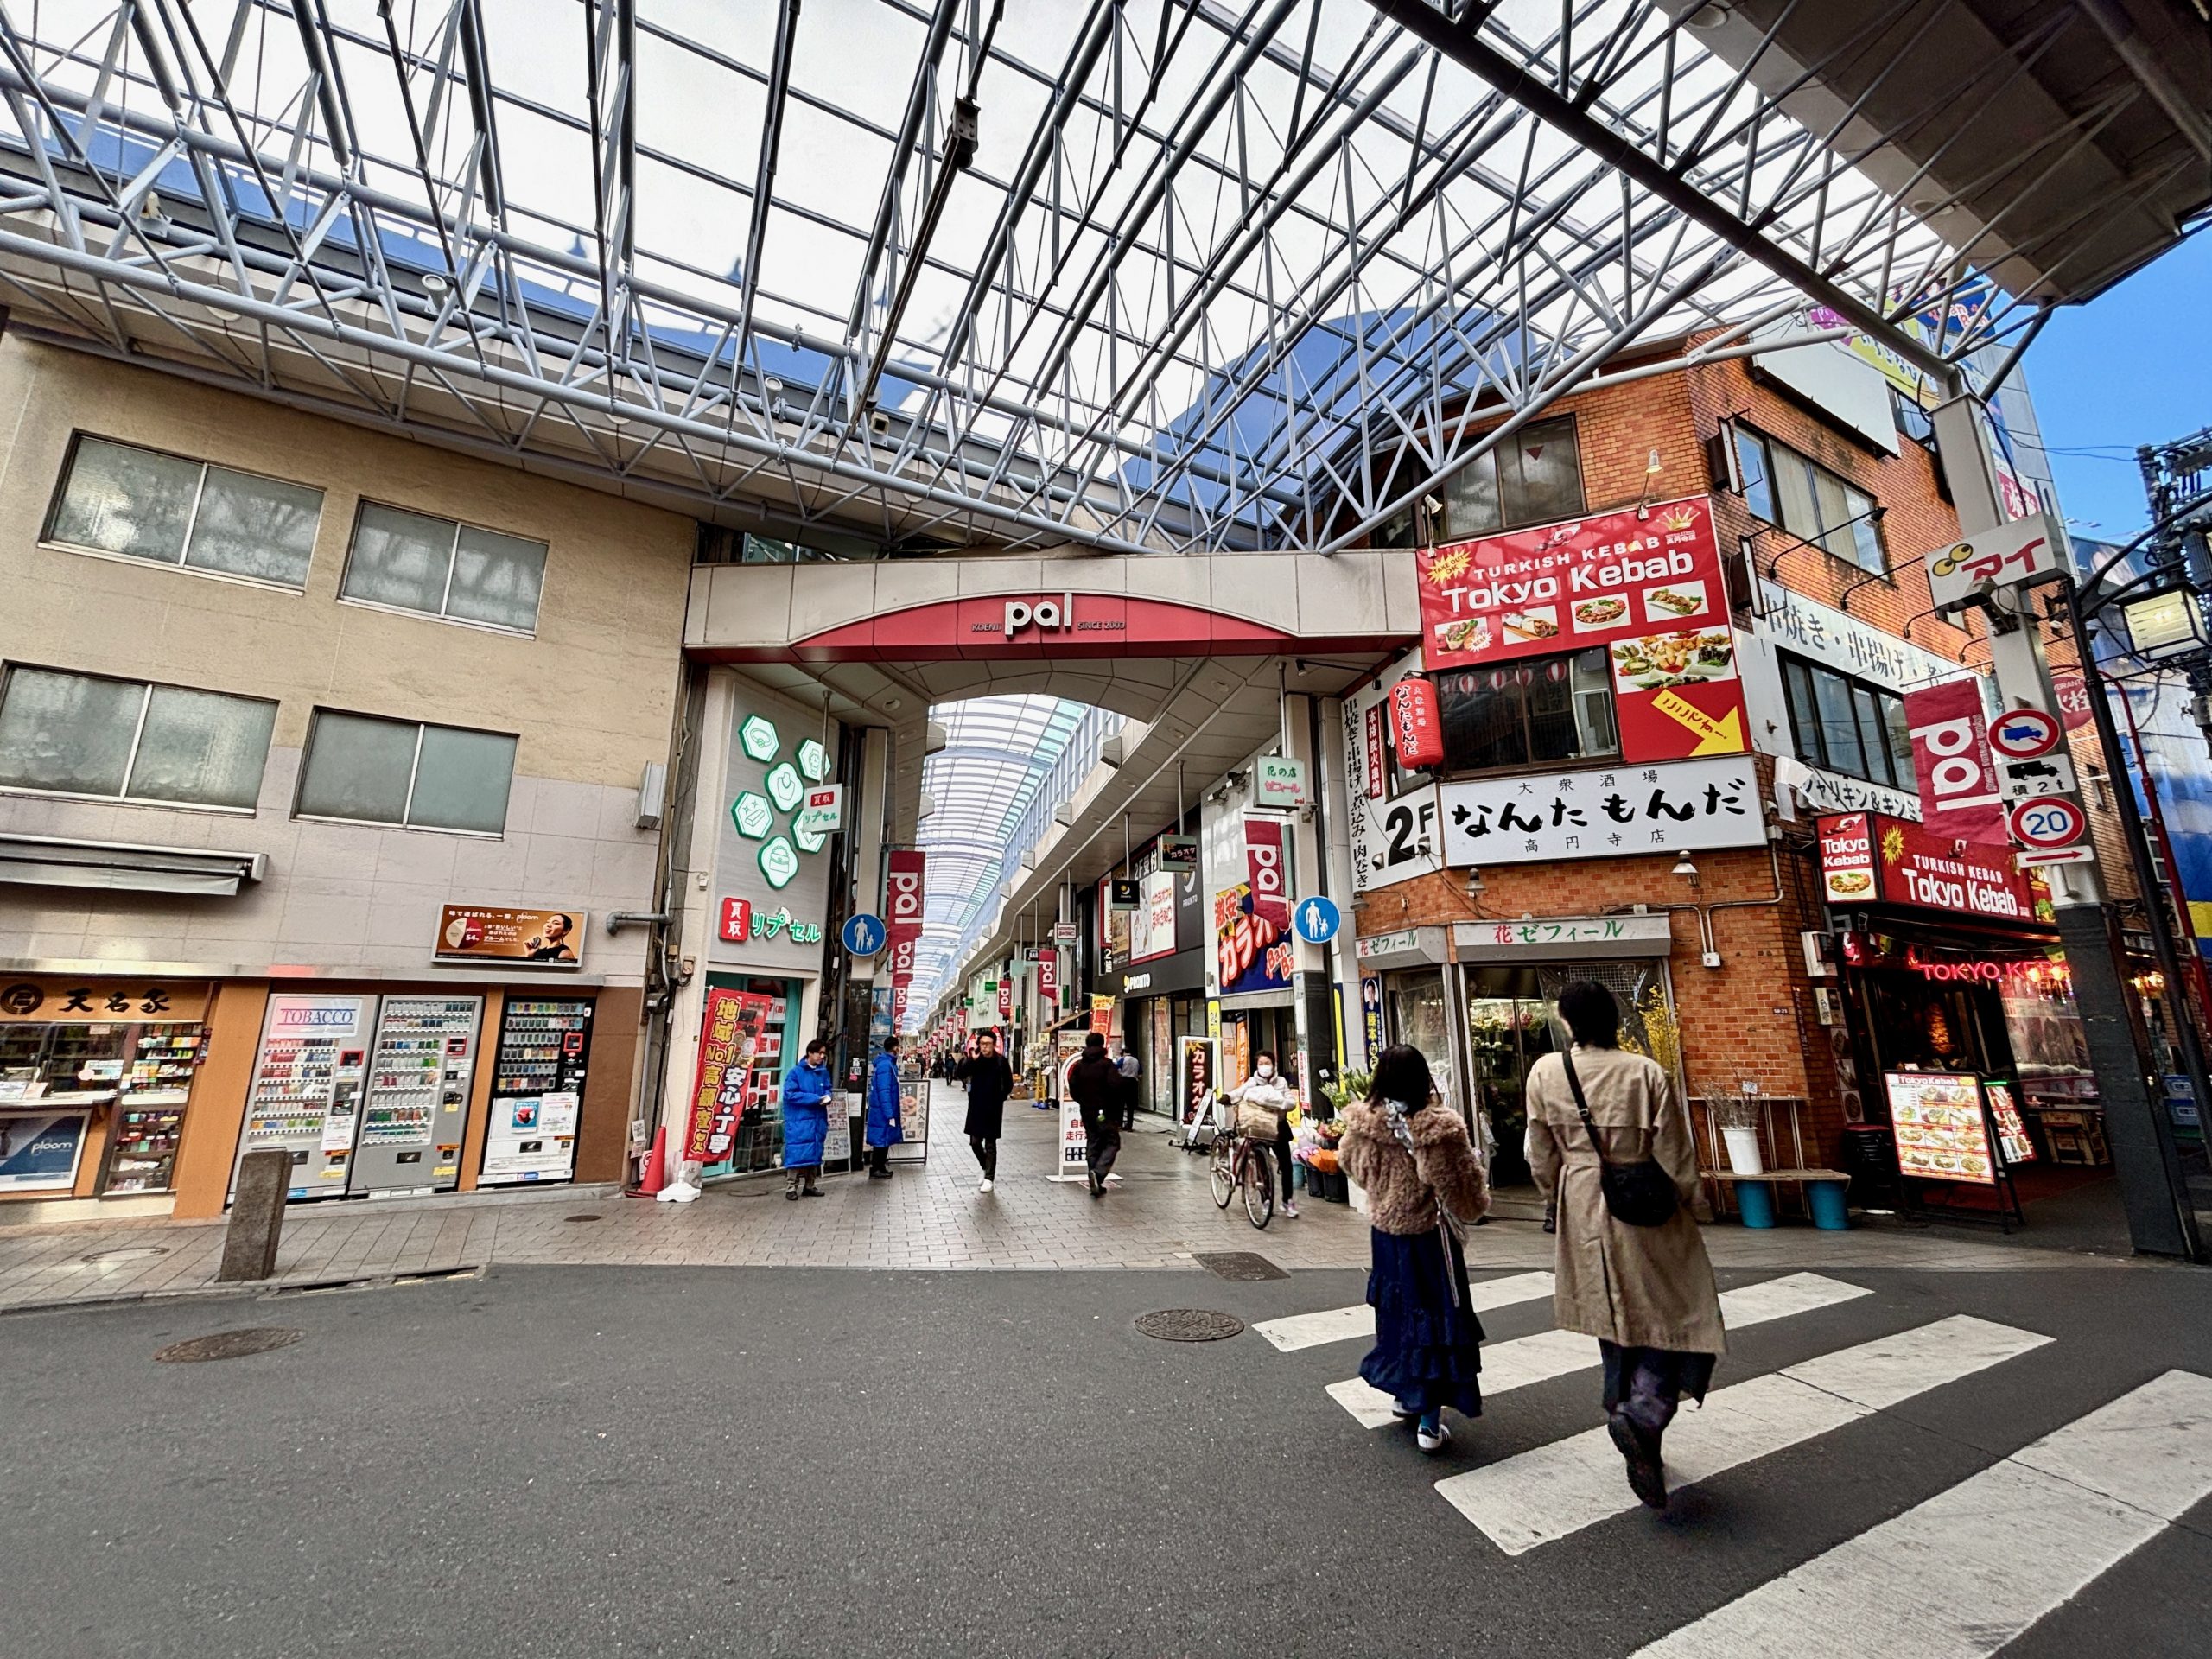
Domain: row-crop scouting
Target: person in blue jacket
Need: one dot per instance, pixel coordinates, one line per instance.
(807, 1092)
(883, 1130)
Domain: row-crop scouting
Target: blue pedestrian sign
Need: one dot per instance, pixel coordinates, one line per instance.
(1317, 920)
(865, 934)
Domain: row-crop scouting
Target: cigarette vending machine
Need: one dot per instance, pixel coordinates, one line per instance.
(416, 1101)
(306, 1094)
(537, 1084)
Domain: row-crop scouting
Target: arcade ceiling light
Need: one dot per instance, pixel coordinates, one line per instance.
(1136, 274)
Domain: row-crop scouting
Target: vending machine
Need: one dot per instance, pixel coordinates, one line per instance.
(306, 1094)
(416, 1101)
(537, 1084)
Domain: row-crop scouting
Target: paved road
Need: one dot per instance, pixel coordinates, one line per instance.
(572, 1460)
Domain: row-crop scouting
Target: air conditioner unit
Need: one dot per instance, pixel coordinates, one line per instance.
(1109, 752)
(935, 738)
(1064, 815)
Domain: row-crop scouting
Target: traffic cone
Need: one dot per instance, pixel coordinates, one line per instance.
(654, 1176)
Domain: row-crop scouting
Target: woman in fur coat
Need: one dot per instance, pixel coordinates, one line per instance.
(1412, 1154)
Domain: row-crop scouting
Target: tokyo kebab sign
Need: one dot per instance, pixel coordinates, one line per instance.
(1868, 859)
(1644, 584)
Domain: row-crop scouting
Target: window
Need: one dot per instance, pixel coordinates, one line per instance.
(127, 740)
(1810, 502)
(142, 503)
(1847, 726)
(414, 562)
(372, 771)
(1528, 714)
(1532, 477)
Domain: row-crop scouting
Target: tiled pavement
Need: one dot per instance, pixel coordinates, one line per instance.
(931, 1216)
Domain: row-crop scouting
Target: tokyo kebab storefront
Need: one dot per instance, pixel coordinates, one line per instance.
(1967, 1085)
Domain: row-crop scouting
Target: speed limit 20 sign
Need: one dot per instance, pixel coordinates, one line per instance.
(2042, 825)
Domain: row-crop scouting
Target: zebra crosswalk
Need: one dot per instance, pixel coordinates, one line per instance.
(1958, 1575)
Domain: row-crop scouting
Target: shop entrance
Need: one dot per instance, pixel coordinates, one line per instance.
(760, 1143)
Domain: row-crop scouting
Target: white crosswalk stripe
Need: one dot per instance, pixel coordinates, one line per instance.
(1962, 1574)
(1358, 1321)
(1548, 1354)
(1554, 1491)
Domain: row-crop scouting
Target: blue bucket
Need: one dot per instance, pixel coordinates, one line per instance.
(1825, 1199)
(1756, 1200)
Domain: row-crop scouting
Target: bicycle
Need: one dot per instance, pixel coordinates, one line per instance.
(1240, 1162)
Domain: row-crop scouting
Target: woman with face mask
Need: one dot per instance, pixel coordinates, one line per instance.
(1260, 1096)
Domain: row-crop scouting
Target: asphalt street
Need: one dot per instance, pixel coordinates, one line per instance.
(590, 1461)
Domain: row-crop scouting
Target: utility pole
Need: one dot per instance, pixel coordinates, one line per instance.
(2160, 1220)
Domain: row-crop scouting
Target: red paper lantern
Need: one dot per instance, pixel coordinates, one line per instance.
(1416, 726)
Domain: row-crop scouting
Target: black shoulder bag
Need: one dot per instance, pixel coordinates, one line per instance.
(1643, 1193)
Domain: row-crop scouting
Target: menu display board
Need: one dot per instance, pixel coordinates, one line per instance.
(1942, 1133)
(537, 1080)
(2012, 1129)
(1645, 583)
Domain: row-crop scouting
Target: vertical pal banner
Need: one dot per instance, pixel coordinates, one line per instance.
(902, 894)
(1263, 863)
(901, 957)
(1006, 999)
(1958, 795)
(1048, 980)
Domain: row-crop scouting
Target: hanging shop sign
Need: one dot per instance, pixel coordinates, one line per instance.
(728, 1037)
(1563, 939)
(1066, 932)
(1416, 728)
(1179, 855)
(76, 1002)
(1826, 793)
(1279, 781)
(1394, 836)
(1006, 999)
(2024, 551)
(2069, 691)
(824, 810)
(547, 938)
(1942, 1133)
(1685, 807)
(1048, 979)
(1152, 923)
(903, 883)
(1263, 865)
(1123, 894)
(1378, 766)
(1868, 859)
(1958, 795)
(1645, 584)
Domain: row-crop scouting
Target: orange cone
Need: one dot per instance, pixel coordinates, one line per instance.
(654, 1176)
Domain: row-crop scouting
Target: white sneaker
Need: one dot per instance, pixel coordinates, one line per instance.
(987, 1184)
(1435, 1442)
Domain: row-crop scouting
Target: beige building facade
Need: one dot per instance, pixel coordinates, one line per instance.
(274, 693)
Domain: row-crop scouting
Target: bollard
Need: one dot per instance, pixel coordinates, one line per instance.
(257, 1216)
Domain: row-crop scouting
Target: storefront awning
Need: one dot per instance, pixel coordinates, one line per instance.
(1410, 947)
(53, 862)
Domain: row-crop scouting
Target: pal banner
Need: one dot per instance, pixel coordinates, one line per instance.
(902, 900)
(1959, 795)
(1270, 891)
(1645, 584)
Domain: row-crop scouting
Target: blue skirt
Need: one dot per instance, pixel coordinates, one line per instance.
(1428, 1351)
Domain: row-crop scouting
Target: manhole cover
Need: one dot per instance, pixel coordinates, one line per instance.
(1189, 1325)
(128, 1253)
(580, 1217)
(1244, 1265)
(230, 1345)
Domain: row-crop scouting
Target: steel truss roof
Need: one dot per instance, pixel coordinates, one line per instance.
(1139, 275)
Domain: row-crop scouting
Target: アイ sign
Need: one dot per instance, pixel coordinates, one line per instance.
(2024, 551)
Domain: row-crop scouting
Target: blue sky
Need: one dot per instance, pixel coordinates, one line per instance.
(2134, 366)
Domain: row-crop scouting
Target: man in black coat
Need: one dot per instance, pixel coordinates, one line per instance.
(989, 1081)
(1096, 1085)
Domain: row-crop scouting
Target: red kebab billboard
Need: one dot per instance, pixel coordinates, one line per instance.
(1645, 584)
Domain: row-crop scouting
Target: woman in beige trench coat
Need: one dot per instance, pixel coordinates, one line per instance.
(1646, 1292)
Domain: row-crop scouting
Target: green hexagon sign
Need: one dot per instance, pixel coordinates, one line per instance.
(778, 863)
(758, 738)
(784, 788)
(810, 840)
(814, 761)
(752, 816)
